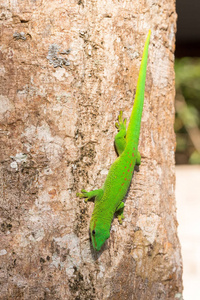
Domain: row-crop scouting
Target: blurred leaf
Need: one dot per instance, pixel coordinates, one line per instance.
(178, 124)
(181, 142)
(187, 71)
(189, 115)
(187, 120)
(195, 158)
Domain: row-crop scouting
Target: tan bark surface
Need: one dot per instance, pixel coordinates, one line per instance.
(67, 68)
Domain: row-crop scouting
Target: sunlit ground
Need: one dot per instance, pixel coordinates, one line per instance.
(188, 213)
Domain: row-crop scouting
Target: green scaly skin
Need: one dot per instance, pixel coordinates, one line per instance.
(109, 199)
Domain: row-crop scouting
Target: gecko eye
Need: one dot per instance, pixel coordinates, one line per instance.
(93, 232)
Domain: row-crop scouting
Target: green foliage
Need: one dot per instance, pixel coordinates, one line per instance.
(195, 158)
(187, 122)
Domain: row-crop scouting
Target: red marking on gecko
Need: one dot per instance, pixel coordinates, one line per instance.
(132, 154)
(122, 183)
(128, 170)
(125, 179)
(95, 224)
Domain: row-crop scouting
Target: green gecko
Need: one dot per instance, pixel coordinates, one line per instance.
(109, 199)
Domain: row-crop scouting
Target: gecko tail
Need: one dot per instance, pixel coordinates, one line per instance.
(133, 130)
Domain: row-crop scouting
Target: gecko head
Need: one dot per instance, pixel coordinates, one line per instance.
(99, 232)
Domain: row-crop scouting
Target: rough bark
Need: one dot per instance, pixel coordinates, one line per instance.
(67, 68)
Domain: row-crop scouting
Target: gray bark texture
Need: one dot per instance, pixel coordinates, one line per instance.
(67, 68)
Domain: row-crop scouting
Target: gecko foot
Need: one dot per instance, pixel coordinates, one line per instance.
(120, 218)
(121, 124)
(83, 194)
(92, 195)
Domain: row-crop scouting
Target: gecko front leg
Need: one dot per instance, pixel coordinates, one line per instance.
(138, 158)
(97, 194)
(120, 138)
(120, 211)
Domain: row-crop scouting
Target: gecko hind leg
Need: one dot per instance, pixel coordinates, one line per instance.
(97, 194)
(120, 138)
(119, 211)
(138, 158)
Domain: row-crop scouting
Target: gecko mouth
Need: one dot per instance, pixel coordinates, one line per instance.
(97, 248)
(95, 243)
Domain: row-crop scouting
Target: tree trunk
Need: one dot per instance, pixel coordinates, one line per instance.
(67, 68)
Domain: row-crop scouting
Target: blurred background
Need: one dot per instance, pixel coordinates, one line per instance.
(187, 68)
(187, 128)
